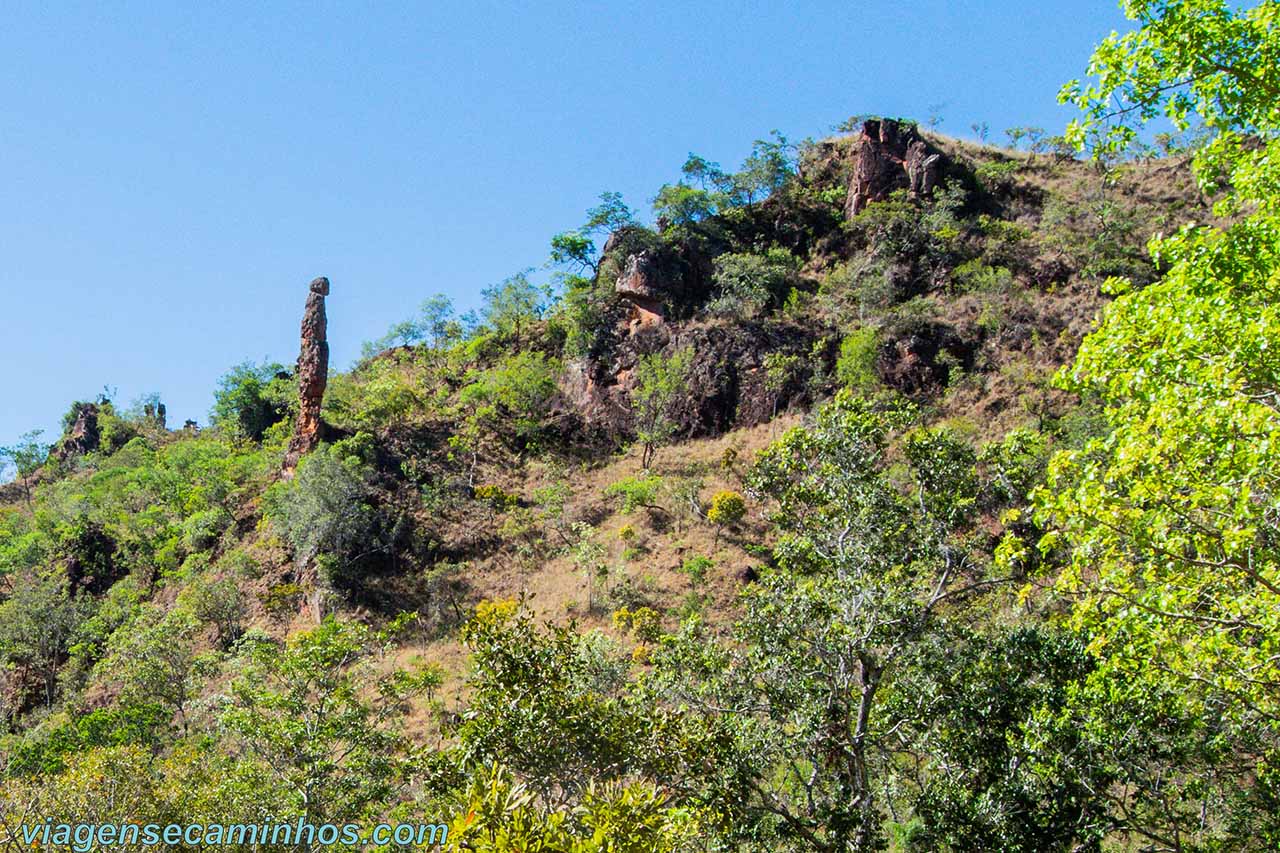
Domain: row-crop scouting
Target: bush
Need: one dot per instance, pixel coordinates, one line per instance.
(495, 497)
(250, 398)
(201, 530)
(220, 604)
(855, 368)
(977, 277)
(643, 622)
(727, 509)
(997, 176)
(516, 391)
(635, 491)
(696, 567)
(750, 284)
(326, 510)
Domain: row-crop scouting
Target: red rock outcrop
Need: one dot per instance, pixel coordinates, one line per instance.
(313, 376)
(891, 156)
(640, 284)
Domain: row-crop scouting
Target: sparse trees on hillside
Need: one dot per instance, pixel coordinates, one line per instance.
(513, 304)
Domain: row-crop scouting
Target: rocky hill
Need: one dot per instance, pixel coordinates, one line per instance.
(627, 458)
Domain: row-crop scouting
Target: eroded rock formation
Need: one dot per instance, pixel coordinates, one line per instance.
(83, 436)
(641, 286)
(891, 156)
(920, 360)
(313, 376)
(727, 384)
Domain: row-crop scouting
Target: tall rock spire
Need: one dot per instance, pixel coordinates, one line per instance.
(313, 375)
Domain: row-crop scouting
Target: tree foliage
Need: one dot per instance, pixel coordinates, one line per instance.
(1170, 518)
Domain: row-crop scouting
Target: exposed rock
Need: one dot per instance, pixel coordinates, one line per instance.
(155, 414)
(640, 284)
(83, 437)
(920, 360)
(657, 281)
(313, 376)
(891, 156)
(726, 386)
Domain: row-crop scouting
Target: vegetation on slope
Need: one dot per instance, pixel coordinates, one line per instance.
(765, 528)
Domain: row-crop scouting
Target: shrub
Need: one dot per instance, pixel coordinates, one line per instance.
(326, 511)
(517, 391)
(696, 567)
(977, 277)
(727, 508)
(997, 176)
(497, 498)
(250, 398)
(201, 530)
(750, 284)
(643, 622)
(281, 599)
(635, 491)
(855, 368)
(218, 603)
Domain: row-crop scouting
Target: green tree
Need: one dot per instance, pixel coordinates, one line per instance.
(771, 163)
(250, 398)
(792, 713)
(326, 723)
(434, 326)
(25, 457)
(326, 512)
(659, 383)
(513, 395)
(549, 703)
(37, 622)
(156, 659)
(1169, 519)
(513, 304)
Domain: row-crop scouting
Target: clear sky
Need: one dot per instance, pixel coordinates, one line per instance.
(173, 175)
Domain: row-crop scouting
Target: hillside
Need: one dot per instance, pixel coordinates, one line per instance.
(726, 539)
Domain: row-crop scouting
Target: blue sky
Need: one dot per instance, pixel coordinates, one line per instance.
(174, 174)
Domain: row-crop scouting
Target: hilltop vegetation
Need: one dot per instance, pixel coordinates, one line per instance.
(890, 492)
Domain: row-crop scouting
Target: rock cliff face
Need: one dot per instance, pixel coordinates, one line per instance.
(313, 376)
(84, 435)
(891, 156)
(641, 286)
(727, 384)
(920, 360)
